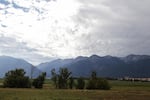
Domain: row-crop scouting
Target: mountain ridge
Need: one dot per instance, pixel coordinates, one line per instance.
(106, 66)
(8, 63)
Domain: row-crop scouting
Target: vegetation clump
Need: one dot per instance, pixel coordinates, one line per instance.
(71, 82)
(61, 79)
(16, 79)
(97, 83)
(80, 83)
(39, 81)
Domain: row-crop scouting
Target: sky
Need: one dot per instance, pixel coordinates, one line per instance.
(44, 30)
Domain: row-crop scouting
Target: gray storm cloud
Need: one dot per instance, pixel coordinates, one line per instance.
(116, 27)
(39, 31)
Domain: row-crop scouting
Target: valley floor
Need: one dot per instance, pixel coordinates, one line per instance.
(119, 91)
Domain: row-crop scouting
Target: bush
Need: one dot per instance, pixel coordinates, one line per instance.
(16, 79)
(97, 83)
(91, 84)
(61, 79)
(39, 81)
(71, 82)
(103, 84)
(80, 83)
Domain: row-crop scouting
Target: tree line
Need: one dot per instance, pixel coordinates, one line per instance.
(64, 80)
(61, 80)
(17, 79)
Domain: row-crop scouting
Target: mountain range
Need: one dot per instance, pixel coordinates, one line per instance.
(106, 66)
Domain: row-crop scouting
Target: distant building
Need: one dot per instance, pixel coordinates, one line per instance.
(135, 79)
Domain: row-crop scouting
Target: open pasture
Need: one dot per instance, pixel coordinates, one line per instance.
(121, 90)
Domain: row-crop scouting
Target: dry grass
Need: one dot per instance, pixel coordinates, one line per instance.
(119, 91)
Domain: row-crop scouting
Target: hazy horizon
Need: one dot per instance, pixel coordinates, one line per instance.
(44, 30)
(54, 59)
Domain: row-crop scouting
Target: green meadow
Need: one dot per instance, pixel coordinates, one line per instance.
(121, 90)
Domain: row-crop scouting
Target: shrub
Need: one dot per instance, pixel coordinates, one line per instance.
(97, 83)
(61, 79)
(80, 83)
(91, 84)
(71, 82)
(39, 81)
(16, 79)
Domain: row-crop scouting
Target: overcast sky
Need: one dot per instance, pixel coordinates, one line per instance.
(43, 30)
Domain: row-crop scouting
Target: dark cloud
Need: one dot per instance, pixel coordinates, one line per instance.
(104, 27)
(115, 27)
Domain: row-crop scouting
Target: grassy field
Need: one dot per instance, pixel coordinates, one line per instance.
(121, 90)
